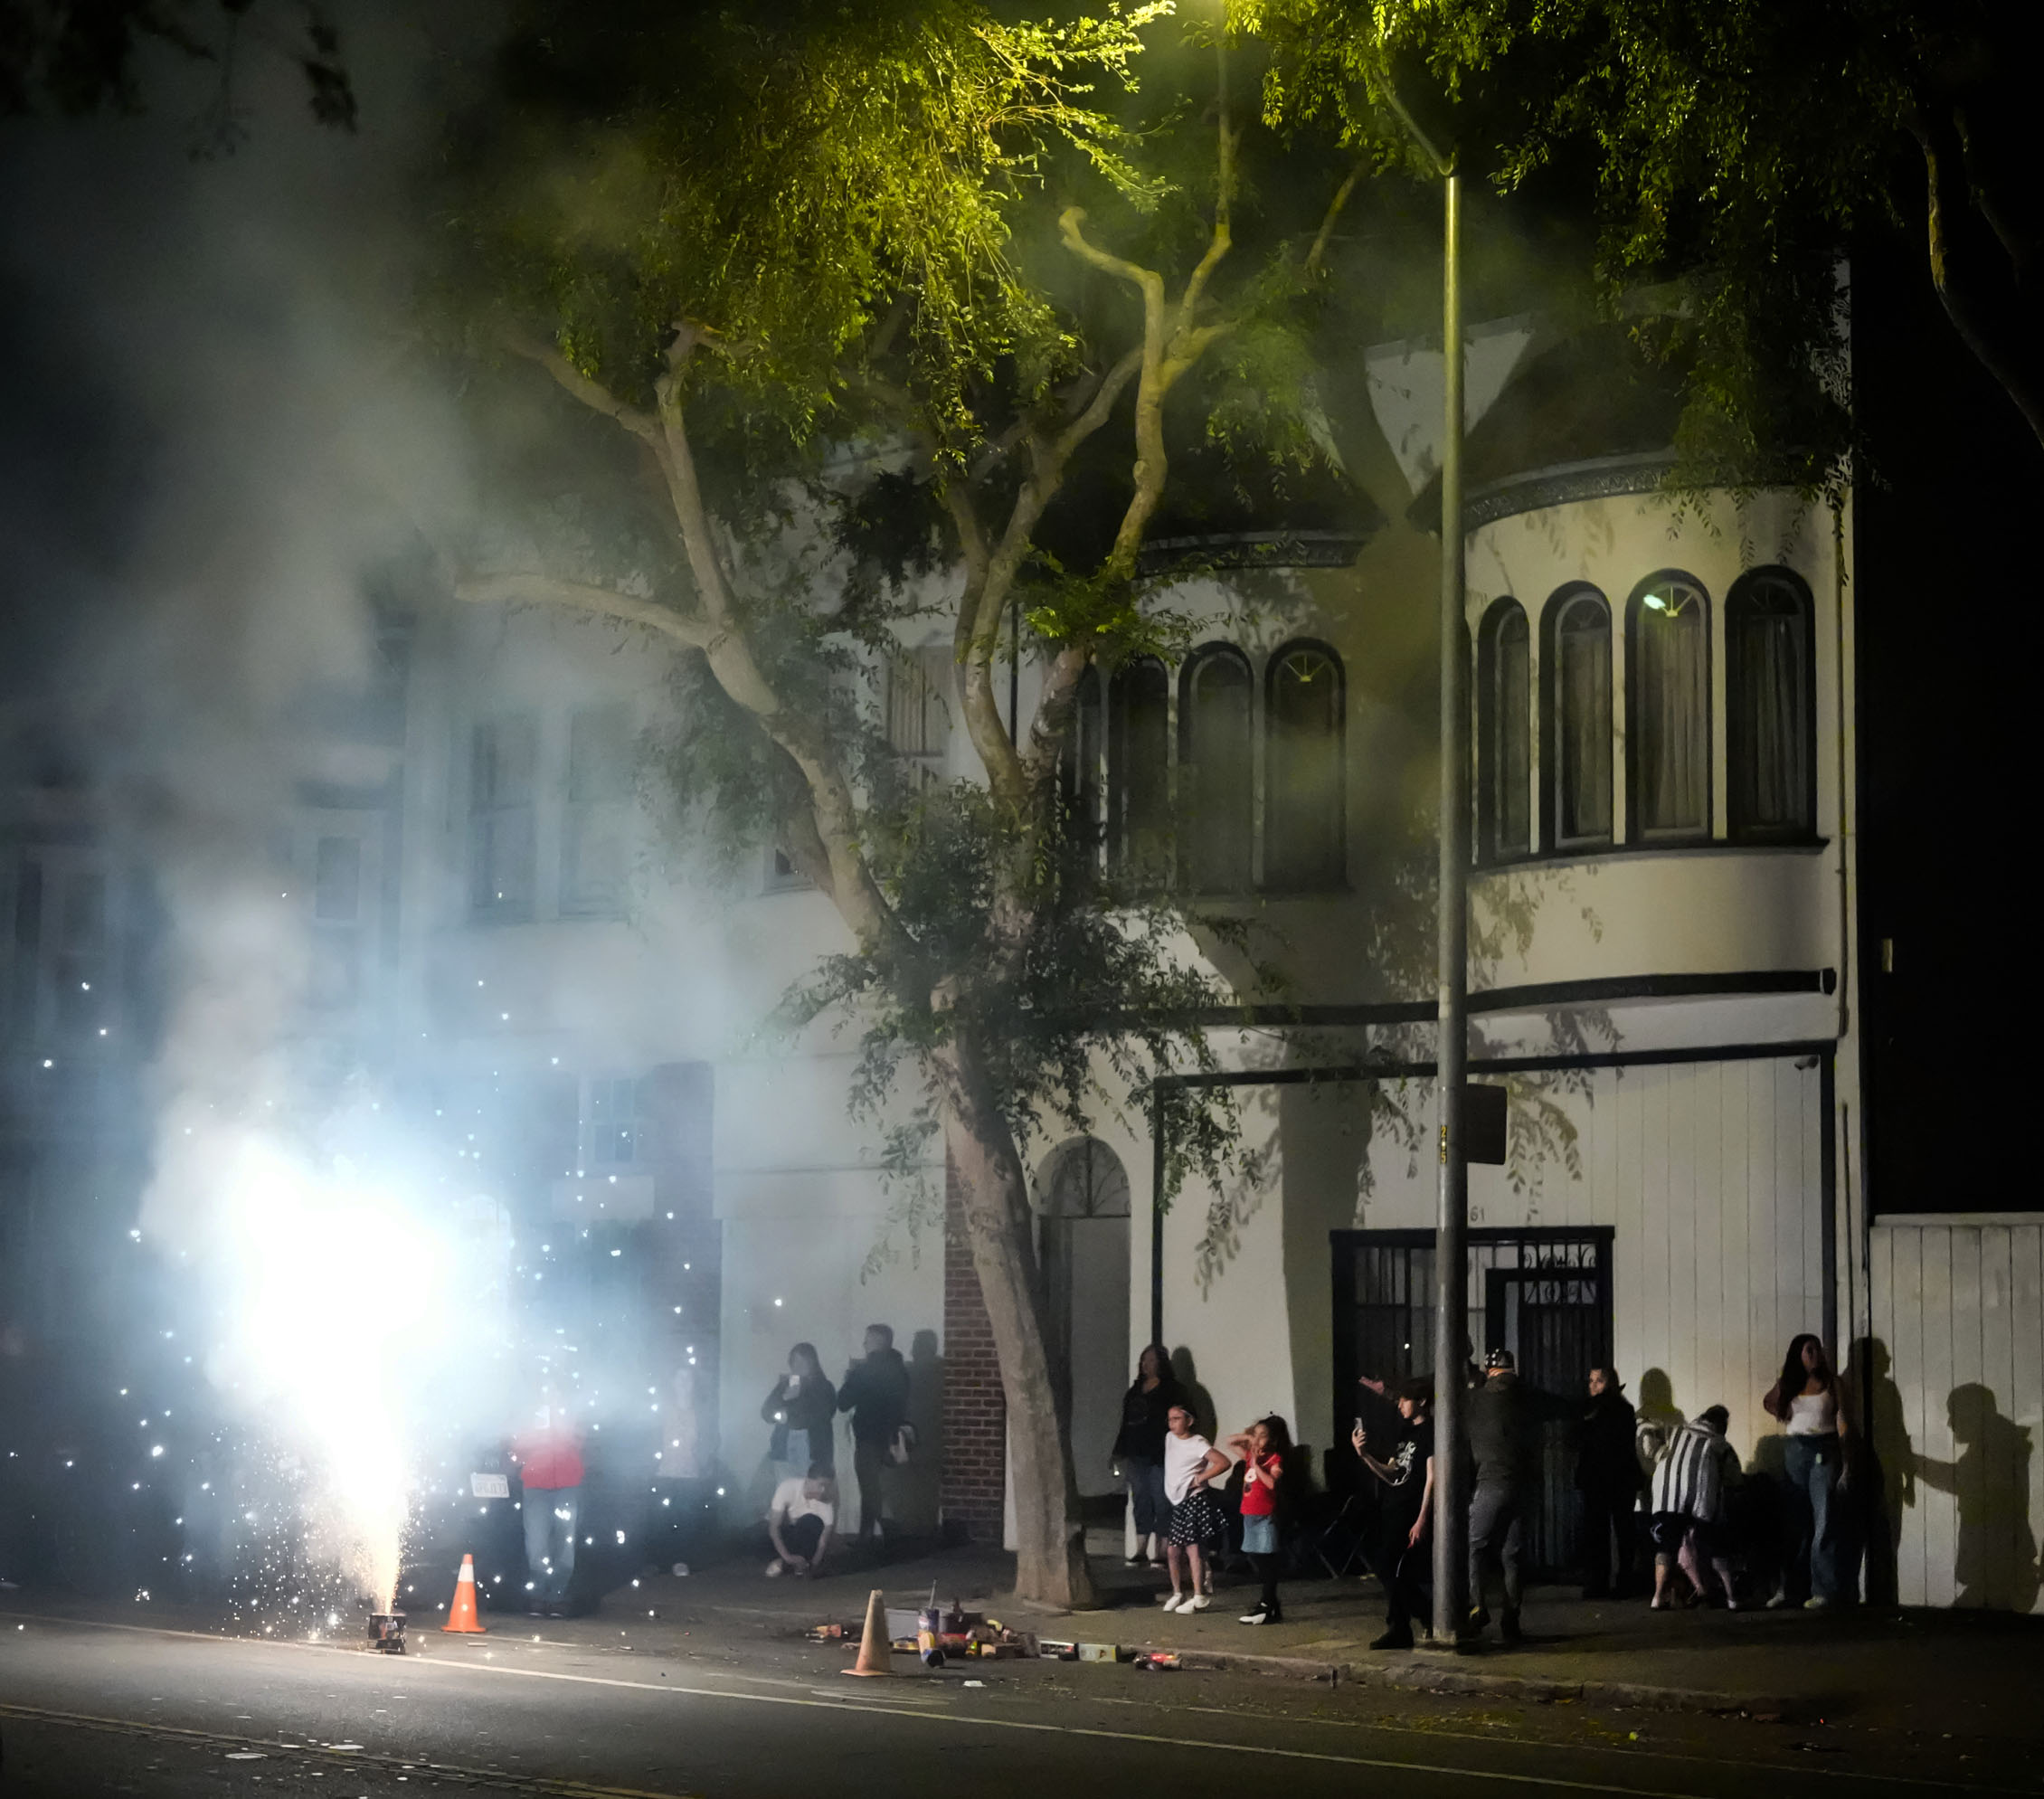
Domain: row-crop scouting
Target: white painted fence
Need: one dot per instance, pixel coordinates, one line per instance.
(1956, 1380)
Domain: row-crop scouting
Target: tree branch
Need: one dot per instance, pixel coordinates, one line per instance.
(1983, 299)
(581, 596)
(1316, 258)
(571, 380)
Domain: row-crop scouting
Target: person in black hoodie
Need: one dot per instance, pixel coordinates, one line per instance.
(1504, 1419)
(1139, 1449)
(875, 1393)
(1607, 1475)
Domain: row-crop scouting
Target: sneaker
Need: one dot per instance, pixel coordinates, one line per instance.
(1777, 1601)
(1816, 1602)
(1173, 1601)
(1260, 1616)
(1137, 1560)
(1394, 1640)
(775, 1568)
(1197, 1603)
(1479, 1616)
(1508, 1625)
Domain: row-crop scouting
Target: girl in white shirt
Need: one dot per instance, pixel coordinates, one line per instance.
(1190, 1465)
(1811, 1402)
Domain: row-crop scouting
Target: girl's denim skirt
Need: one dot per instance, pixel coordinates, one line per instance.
(1259, 1535)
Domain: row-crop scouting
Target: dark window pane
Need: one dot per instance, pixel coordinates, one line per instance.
(1138, 770)
(1768, 689)
(1305, 843)
(1504, 742)
(500, 821)
(1078, 768)
(1669, 729)
(1215, 768)
(1580, 685)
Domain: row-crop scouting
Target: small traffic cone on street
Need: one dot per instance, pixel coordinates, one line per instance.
(875, 1648)
(461, 1614)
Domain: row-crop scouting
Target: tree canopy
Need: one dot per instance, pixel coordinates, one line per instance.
(1733, 153)
(850, 297)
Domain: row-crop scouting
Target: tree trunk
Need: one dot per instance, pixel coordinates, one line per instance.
(1051, 1567)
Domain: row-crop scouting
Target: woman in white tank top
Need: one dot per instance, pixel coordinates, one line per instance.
(1807, 1399)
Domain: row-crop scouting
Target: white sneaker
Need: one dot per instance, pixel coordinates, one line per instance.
(1172, 1601)
(1197, 1603)
(1816, 1602)
(775, 1568)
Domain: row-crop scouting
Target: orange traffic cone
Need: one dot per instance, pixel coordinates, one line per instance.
(874, 1648)
(461, 1614)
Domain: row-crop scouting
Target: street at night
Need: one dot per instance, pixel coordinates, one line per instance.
(1018, 896)
(140, 1708)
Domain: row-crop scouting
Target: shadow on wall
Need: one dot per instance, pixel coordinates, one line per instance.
(1185, 1371)
(1995, 1561)
(1997, 1558)
(912, 1495)
(1883, 1467)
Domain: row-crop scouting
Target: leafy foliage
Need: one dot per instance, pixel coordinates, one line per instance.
(1733, 153)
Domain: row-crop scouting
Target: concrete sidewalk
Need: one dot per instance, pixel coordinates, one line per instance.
(1961, 1674)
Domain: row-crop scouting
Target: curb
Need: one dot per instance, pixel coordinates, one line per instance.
(1428, 1675)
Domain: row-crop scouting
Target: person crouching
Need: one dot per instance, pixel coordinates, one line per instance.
(1694, 1468)
(803, 1521)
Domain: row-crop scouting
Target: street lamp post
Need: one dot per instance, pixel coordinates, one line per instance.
(1450, 1223)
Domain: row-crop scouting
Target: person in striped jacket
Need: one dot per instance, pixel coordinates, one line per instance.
(1693, 1467)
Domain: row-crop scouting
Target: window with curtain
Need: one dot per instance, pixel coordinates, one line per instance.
(1216, 760)
(1138, 748)
(1078, 768)
(1770, 689)
(1305, 837)
(1504, 745)
(1577, 770)
(1668, 709)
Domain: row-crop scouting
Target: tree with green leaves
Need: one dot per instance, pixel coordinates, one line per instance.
(846, 300)
(1734, 153)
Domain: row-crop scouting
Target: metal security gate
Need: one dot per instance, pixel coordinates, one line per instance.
(1543, 1293)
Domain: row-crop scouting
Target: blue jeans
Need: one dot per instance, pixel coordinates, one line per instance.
(550, 1514)
(1811, 1466)
(1146, 1488)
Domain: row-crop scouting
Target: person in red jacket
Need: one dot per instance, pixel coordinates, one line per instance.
(549, 1454)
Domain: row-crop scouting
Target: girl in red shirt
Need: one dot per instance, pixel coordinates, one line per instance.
(1264, 1448)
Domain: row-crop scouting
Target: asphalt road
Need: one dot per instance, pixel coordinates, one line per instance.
(88, 1708)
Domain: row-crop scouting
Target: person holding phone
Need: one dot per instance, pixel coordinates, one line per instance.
(1406, 1472)
(803, 1408)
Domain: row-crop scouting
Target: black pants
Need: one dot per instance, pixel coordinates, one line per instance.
(869, 1463)
(1609, 1519)
(1401, 1569)
(1266, 1568)
(802, 1535)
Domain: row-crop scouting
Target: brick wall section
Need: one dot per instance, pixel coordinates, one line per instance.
(975, 1414)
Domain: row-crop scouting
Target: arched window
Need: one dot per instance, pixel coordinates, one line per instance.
(1215, 764)
(1305, 842)
(1770, 708)
(1504, 743)
(1078, 768)
(1139, 743)
(1668, 709)
(1575, 717)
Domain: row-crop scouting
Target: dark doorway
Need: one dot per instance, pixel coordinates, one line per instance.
(1543, 1293)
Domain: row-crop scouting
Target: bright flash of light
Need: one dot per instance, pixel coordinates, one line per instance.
(311, 1260)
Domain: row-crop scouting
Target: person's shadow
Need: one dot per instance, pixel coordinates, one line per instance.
(1997, 1560)
(913, 1485)
(1185, 1373)
(1883, 1465)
